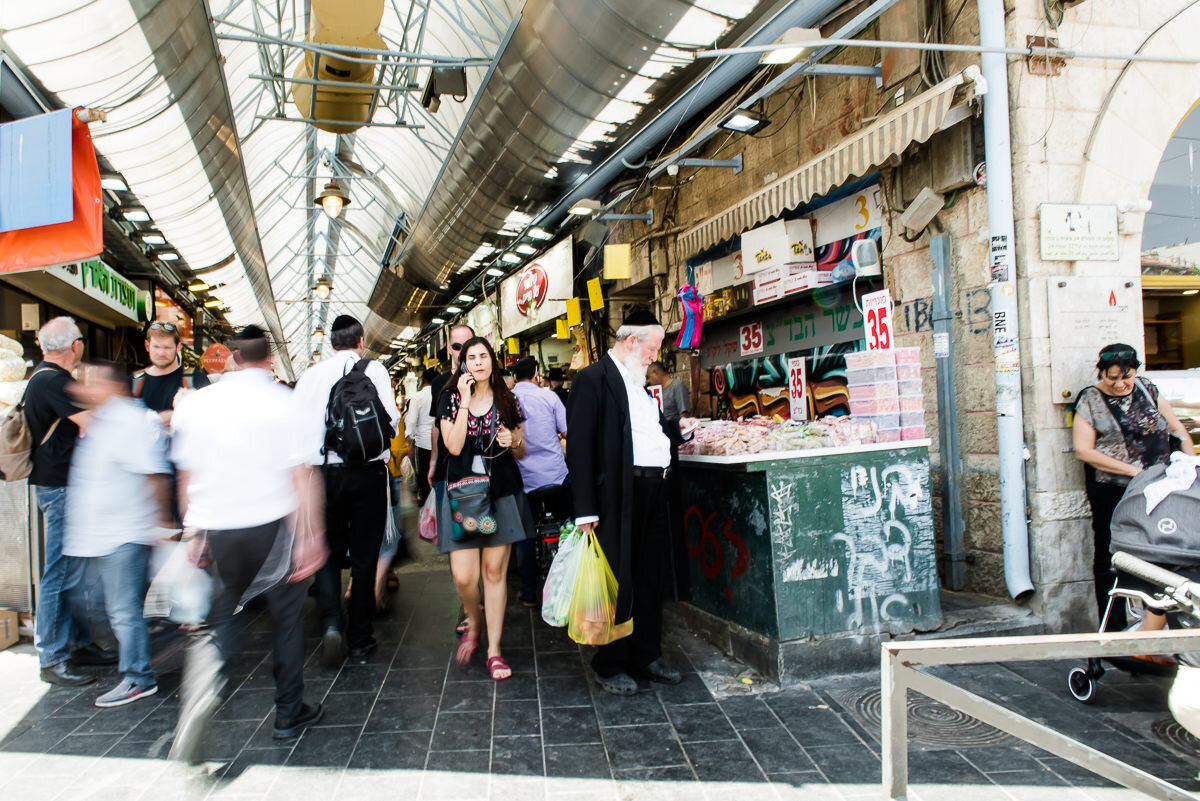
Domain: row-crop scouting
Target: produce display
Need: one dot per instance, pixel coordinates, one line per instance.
(12, 374)
(764, 435)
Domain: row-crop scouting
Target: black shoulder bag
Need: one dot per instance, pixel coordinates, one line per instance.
(470, 497)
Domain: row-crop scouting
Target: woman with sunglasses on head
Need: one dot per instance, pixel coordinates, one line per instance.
(1122, 426)
(480, 424)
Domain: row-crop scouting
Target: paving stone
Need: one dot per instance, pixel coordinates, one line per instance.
(564, 691)
(695, 722)
(462, 731)
(640, 709)
(391, 751)
(460, 761)
(559, 663)
(570, 726)
(325, 747)
(722, 761)
(346, 709)
(577, 761)
(776, 751)
(517, 756)
(413, 713)
(518, 718)
(470, 696)
(418, 681)
(638, 747)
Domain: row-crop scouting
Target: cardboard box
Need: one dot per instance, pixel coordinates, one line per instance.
(782, 242)
(10, 625)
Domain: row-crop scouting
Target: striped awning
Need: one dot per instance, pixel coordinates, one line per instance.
(915, 121)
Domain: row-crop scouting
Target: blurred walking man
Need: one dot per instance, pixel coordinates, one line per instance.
(253, 515)
(117, 502)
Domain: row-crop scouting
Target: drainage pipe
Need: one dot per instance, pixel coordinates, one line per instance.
(1005, 331)
(953, 553)
(714, 85)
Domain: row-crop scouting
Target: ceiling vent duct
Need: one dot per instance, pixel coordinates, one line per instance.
(339, 24)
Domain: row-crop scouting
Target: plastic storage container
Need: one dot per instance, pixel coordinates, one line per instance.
(888, 435)
(911, 419)
(910, 403)
(908, 371)
(911, 387)
(912, 432)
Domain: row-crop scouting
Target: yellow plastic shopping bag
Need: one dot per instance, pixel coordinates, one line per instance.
(594, 602)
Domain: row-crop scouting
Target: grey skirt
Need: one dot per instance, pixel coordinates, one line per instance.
(514, 523)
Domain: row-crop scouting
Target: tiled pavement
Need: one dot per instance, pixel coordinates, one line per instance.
(409, 724)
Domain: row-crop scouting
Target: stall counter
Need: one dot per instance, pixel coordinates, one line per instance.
(798, 546)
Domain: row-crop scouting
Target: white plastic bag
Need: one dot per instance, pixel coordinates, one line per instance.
(184, 589)
(427, 519)
(560, 579)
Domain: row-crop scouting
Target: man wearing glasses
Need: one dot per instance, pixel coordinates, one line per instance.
(159, 383)
(54, 420)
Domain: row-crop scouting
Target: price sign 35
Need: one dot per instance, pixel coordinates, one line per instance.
(877, 314)
(750, 339)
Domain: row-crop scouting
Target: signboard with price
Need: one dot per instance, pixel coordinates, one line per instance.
(877, 320)
(750, 340)
(656, 393)
(797, 385)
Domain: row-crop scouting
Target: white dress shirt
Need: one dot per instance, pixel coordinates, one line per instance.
(312, 398)
(419, 422)
(235, 439)
(651, 447)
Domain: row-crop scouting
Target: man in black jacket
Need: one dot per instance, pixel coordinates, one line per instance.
(620, 454)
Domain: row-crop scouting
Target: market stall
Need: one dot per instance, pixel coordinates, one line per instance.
(807, 502)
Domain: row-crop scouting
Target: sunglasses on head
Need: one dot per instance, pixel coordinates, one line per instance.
(160, 326)
(1118, 356)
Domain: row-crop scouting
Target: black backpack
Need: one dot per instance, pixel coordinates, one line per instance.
(356, 421)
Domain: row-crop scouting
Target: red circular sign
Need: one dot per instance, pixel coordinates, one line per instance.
(531, 289)
(214, 358)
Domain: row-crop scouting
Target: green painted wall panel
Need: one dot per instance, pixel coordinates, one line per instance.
(729, 547)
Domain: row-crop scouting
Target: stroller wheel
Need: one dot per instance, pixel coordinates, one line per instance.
(1081, 685)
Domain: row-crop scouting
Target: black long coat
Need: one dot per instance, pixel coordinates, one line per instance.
(600, 461)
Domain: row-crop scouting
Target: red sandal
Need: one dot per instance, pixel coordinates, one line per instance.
(466, 648)
(497, 663)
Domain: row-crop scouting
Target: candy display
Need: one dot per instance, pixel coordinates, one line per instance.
(764, 435)
(885, 387)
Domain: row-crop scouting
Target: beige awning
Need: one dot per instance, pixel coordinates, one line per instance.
(915, 121)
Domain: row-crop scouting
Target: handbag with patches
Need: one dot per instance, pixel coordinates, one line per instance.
(470, 497)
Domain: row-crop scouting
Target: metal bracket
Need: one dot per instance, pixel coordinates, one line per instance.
(647, 218)
(1044, 63)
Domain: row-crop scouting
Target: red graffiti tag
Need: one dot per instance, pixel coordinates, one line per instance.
(710, 551)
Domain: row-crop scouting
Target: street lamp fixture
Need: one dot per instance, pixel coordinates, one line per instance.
(323, 287)
(333, 199)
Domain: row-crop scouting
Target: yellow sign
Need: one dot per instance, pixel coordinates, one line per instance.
(618, 262)
(561, 329)
(595, 296)
(574, 312)
(514, 346)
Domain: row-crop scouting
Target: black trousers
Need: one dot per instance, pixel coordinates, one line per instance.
(237, 556)
(423, 488)
(356, 510)
(650, 555)
(1103, 499)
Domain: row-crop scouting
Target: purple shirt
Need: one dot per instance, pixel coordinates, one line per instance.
(545, 418)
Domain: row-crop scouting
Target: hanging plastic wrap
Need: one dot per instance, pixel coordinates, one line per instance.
(693, 317)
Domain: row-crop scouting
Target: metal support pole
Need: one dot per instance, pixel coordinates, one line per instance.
(953, 555)
(893, 715)
(1005, 330)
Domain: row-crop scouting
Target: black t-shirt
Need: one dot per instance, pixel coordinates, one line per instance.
(46, 400)
(439, 384)
(158, 391)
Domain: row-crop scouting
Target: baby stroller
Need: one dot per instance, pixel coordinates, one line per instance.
(1153, 523)
(1178, 597)
(551, 507)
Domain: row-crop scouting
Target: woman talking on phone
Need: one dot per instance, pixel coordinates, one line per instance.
(484, 510)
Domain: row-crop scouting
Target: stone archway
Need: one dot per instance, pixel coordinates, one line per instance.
(1139, 114)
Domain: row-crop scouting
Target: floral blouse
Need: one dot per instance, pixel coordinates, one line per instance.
(476, 426)
(1129, 428)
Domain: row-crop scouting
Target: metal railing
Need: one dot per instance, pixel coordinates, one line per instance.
(900, 661)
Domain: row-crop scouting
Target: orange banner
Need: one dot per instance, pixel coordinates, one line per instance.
(80, 238)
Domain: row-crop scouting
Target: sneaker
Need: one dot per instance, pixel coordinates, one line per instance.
(125, 693)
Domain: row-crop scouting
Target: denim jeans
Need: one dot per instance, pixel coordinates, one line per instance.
(123, 573)
(60, 622)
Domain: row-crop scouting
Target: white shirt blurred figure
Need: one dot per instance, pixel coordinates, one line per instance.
(118, 498)
(243, 495)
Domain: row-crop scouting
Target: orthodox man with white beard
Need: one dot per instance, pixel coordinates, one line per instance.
(621, 455)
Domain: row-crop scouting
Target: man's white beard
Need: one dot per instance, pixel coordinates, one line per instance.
(632, 363)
